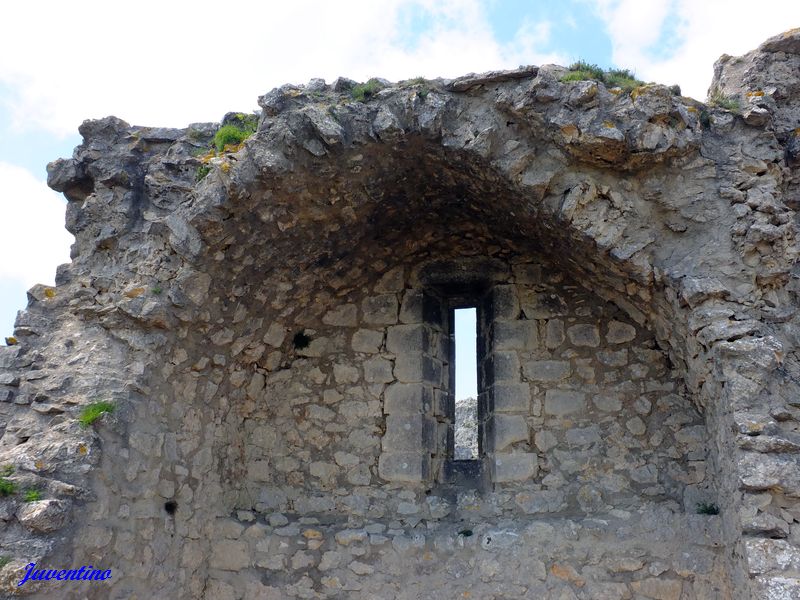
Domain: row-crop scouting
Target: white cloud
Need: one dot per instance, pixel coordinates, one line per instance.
(703, 31)
(171, 63)
(34, 240)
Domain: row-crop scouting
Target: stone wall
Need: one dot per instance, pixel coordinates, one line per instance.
(268, 332)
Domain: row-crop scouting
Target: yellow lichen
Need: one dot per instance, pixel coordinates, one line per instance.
(135, 292)
(82, 449)
(39, 464)
(11, 341)
(49, 292)
(691, 109)
(609, 125)
(756, 93)
(226, 167)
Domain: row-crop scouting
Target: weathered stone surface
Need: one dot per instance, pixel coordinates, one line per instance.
(272, 325)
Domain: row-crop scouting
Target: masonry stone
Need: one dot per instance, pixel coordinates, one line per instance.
(408, 399)
(563, 402)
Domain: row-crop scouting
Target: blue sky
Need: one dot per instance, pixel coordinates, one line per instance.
(172, 63)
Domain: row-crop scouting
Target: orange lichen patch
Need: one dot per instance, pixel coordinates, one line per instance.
(638, 91)
(312, 534)
(428, 556)
(756, 94)
(82, 449)
(233, 147)
(570, 132)
(567, 573)
(38, 464)
(49, 292)
(206, 158)
(135, 292)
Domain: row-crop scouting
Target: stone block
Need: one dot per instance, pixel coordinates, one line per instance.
(544, 501)
(406, 433)
(380, 310)
(515, 335)
(583, 436)
(504, 366)
(391, 281)
(659, 589)
(504, 430)
(613, 358)
(407, 339)
(509, 397)
(229, 555)
(407, 467)
(547, 370)
(408, 368)
(408, 399)
(619, 333)
(345, 315)
(554, 334)
(608, 402)
(411, 307)
(505, 304)
(515, 466)
(378, 370)
(563, 402)
(584, 335)
(367, 341)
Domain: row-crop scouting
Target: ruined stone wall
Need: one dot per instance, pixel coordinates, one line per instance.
(263, 333)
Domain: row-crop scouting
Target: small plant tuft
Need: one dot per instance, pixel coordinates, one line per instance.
(7, 487)
(7, 470)
(707, 508)
(719, 100)
(32, 495)
(230, 135)
(4, 560)
(364, 92)
(201, 172)
(584, 71)
(94, 411)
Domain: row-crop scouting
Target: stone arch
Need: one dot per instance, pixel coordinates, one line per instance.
(318, 222)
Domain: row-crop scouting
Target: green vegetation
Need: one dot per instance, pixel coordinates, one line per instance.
(236, 128)
(4, 560)
(201, 173)
(32, 495)
(7, 487)
(6, 470)
(364, 92)
(719, 100)
(621, 78)
(94, 411)
(156, 291)
(707, 508)
(230, 135)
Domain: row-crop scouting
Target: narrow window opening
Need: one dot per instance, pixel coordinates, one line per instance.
(466, 384)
